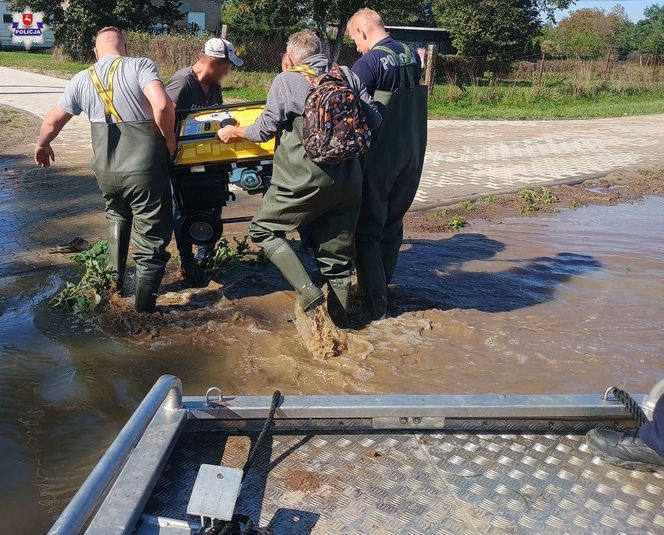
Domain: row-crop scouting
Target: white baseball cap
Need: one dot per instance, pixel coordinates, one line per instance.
(223, 49)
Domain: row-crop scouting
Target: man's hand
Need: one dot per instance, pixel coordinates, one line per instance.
(44, 155)
(171, 144)
(50, 128)
(229, 134)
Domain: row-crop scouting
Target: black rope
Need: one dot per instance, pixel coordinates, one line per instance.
(267, 429)
(630, 404)
(241, 524)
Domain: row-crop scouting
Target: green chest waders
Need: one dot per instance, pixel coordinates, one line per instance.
(326, 199)
(392, 169)
(131, 165)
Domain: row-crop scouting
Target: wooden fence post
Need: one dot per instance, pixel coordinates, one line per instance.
(430, 72)
(654, 63)
(224, 31)
(607, 67)
(541, 70)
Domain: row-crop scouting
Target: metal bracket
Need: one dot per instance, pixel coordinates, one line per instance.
(215, 492)
(607, 392)
(220, 396)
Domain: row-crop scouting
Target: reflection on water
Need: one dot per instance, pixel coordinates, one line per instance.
(571, 303)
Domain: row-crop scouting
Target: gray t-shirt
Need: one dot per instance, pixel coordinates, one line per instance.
(132, 75)
(187, 92)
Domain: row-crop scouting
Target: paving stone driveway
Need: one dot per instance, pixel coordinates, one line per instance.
(477, 157)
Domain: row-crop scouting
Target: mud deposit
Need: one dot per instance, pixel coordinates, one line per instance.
(565, 302)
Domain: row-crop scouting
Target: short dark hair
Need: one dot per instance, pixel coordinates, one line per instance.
(111, 29)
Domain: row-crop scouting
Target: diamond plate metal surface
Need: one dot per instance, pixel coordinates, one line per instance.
(421, 484)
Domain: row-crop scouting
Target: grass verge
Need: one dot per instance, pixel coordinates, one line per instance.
(560, 102)
(40, 62)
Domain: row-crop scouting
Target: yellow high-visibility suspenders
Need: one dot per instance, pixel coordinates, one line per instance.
(106, 93)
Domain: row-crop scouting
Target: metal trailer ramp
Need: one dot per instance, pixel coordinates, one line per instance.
(373, 465)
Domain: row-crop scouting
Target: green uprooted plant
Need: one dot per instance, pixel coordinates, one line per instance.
(226, 254)
(94, 286)
(537, 199)
(457, 222)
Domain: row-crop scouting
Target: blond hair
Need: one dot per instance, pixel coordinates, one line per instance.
(368, 14)
(303, 44)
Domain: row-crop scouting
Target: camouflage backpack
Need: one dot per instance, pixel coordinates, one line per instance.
(335, 126)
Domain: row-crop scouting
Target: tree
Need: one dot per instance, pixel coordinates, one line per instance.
(168, 14)
(137, 15)
(593, 33)
(264, 19)
(328, 14)
(492, 29)
(328, 18)
(648, 33)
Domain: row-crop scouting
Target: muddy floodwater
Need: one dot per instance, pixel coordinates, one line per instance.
(571, 302)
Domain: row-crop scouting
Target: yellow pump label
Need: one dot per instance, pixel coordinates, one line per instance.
(196, 152)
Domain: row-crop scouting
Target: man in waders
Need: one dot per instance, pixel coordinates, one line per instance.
(199, 86)
(132, 122)
(324, 197)
(393, 166)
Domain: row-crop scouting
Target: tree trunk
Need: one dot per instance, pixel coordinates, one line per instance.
(338, 41)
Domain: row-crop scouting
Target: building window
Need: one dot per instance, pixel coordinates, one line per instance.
(196, 21)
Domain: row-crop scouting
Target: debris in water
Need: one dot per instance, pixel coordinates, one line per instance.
(321, 337)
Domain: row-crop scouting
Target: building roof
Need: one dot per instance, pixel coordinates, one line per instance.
(417, 28)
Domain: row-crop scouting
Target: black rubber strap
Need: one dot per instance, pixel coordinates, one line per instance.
(631, 405)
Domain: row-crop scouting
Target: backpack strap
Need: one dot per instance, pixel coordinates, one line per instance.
(405, 66)
(106, 92)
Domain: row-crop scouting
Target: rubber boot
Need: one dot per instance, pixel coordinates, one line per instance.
(146, 295)
(119, 234)
(308, 294)
(337, 301)
(378, 305)
(371, 280)
(193, 274)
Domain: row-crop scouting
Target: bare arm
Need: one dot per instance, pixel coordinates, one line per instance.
(50, 128)
(163, 111)
(228, 134)
(268, 122)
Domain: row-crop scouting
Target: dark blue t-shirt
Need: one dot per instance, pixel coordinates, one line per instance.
(378, 71)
